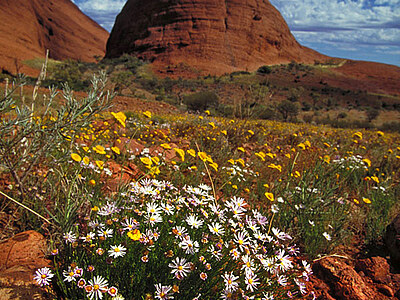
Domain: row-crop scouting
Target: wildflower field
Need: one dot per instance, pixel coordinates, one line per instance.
(189, 206)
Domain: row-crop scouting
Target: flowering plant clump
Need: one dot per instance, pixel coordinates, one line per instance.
(157, 241)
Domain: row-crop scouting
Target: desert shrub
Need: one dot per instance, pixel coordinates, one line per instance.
(69, 71)
(288, 109)
(391, 126)
(372, 114)
(122, 80)
(201, 101)
(37, 144)
(130, 62)
(264, 112)
(264, 70)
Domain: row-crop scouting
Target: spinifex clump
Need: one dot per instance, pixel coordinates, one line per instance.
(158, 241)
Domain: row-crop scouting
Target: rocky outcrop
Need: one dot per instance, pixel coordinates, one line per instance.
(29, 27)
(20, 256)
(215, 36)
(368, 279)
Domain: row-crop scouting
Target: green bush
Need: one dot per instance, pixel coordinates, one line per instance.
(264, 70)
(201, 101)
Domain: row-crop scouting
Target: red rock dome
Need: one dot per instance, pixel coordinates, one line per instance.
(213, 35)
(29, 27)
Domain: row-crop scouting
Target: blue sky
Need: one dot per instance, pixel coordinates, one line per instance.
(355, 29)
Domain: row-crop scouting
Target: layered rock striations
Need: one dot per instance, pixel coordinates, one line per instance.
(29, 27)
(214, 35)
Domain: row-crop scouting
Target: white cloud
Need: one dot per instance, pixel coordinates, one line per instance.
(108, 6)
(339, 14)
(103, 12)
(344, 25)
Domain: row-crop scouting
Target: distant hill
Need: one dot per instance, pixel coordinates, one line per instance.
(215, 36)
(29, 27)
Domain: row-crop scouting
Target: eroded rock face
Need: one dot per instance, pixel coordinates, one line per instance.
(369, 279)
(29, 27)
(213, 35)
(20, 257)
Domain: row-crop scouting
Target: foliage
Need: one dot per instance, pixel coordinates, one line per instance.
(264, 70)
(288, 109)
(156, 235)
(201, 101)
(35, 148)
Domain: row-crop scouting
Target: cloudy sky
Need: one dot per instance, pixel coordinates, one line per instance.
(355, 29)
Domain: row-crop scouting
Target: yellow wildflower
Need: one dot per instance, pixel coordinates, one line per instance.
(134, 234)
(273, 166)
(270, 196)
(240, 161)
(271, 155)
(155, 160)
(301, 146)
(99, 164)
(374, 178)
(358, 135)
(147, 114)
(202, 155)
(116, 150)
(367, 161)
(366, 200)
(147, 161)
(120, 117)
(99, 149)
(241, 149)
(86, 160)
(166, 146)
(260, 155)
(224, 132)
(191, 152)
(214, 166)
(76, 157)
(180, 153)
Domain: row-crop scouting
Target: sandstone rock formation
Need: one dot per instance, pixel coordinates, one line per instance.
(370, 278)
(20, 256)
(29, 27)
(216, 36)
